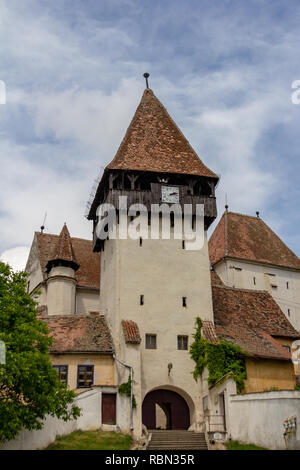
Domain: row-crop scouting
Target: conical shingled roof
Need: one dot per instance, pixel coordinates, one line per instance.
(63, 250)
(153, 142)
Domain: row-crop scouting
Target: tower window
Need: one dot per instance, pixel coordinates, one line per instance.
(62, 373)
(182, 343)
(254, 281)
(289, 312)
(141, 300)
(287, 285)
(183, 244)
(184, 302)
(141, 241)
(150, 341)
(85, 376)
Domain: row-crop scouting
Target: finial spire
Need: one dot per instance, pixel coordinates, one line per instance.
(226, 203)
(257, 214)
(147, 75)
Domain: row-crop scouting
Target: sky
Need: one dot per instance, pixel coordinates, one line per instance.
(73, 71)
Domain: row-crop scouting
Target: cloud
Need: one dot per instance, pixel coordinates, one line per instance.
(16, 257)
(74, 78)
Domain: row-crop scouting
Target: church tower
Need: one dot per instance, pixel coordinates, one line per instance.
(61, 282)
(152, 290)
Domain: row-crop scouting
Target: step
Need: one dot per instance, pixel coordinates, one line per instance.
(176, 440)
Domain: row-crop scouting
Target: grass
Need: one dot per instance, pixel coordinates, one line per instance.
(236, 445)
(92, 440)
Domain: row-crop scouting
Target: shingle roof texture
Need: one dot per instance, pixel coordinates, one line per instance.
(251, 319)
(63, 249)
(88, 274)
(249, 238)
(131, 332)
(153, 142)
(74, 333)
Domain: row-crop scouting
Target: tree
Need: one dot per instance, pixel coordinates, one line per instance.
(29, 385)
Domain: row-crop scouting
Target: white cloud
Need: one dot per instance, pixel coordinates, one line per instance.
(16, 257)
(224, 77)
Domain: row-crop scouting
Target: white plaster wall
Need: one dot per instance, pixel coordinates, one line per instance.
(287, 298)
(61, 291)
(228, 387)
(86, 300)
(164, 273)
(90, 404)
(257, 418)
(33, 267)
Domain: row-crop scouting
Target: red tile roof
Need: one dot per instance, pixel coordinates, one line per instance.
(250, 319)
(74, 333)
(209, 332)
(153, 142)
(249, 238)
(131, 332)
(88, 274)
(63, 249)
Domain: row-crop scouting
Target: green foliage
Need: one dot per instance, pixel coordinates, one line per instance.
(271, 389)
(297, 387)
(220, 359)
(92, 440)
(29, 385)
(236, 445)
(125, 389)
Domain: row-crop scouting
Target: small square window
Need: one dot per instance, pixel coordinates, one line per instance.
(150, 341)
(184, 302)
(62, 373)
(85, 376)
(182, 343)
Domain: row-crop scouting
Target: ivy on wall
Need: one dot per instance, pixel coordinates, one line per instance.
(125, 389)
(220, 359)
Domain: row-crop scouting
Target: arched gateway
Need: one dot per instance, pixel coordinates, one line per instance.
(165, 409)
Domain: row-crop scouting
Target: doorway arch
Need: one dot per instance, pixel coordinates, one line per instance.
(173, 405)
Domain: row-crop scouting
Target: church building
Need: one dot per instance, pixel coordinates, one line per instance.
(123, 310)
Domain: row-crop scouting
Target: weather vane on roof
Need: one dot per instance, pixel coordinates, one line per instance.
(147, 75)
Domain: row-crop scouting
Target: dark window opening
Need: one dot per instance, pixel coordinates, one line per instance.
(62, 373)
(184, 302)
(183, 244)
(289, 312)
(254, 281)
(141, 300)
(150, 341)
(287, 285)
(85, 376)
(182, 343)
(141, 241)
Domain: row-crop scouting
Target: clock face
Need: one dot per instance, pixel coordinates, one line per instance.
(170, 194)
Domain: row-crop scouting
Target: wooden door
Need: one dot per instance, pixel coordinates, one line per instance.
(109, 408)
